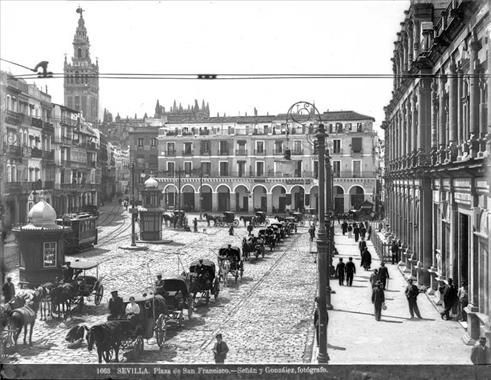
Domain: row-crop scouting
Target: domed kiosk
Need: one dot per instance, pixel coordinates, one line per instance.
(41, 246)
(150, 212)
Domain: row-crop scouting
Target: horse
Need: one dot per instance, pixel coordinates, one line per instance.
(107, 336)
(25, 316)
(247, 219)
(61, 298)
(224, 265)
(46, 304)
(216, 219)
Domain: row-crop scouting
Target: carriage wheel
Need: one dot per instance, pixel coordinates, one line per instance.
(160, 330)
(99, 293)
(190, 308)
(107, 355)
(139, 345)
(235, 223)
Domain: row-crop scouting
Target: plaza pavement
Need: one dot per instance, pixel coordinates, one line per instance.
(355, 337)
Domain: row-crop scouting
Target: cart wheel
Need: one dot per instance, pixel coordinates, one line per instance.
(99, 292)
(139, 345)
(107, 355)
(160, 330)
(236, 223)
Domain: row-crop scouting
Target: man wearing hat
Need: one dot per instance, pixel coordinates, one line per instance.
(116, 306)
(412, 292)
(159, 285)
(378, 299)
(8, 290)
(220, 350)
(480, 351)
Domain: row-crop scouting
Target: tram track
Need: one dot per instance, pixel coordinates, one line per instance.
(249, 293)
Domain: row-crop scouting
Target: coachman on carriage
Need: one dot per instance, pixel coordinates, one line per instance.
(260, 219)
(230, 261)
(268, 237)
(203, 280)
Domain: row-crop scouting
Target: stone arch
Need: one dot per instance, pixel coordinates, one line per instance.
(259, 197)
(242, 198)
(170, 192)
(297, 198)
(206, 194)
(188, 192)
(338, 197)
(313, 198)
(223, 196)
(279, 198)
(357, 196)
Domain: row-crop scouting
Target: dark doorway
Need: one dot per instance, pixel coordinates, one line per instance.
(463, 249)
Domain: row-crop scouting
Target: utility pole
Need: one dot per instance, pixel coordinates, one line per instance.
(133, 242)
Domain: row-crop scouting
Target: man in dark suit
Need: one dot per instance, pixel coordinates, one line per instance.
(450, 298)
(383, 274)
(378, 299)
(340, 271)
(350, 271)
(116, 306)
(412, 292)
(395, 252)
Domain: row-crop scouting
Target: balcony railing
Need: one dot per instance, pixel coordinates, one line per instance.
(169, 153)
(92, 164)
(47, 126)
(261, 152)
(36, 153)
(241, 152)
(187, 152)
(49, 155)
(204, 152)
(351, 174)
(91, 146)
(14, 150)
(223, 152)
(298, 152)
(35, 122)
(49, 184)
(278, 151)
(13, 117)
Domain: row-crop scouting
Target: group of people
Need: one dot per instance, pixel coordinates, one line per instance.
(359, 230)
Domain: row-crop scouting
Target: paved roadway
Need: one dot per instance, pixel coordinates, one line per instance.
(266, 317)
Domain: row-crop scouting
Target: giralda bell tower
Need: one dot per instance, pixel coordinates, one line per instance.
(81, 87)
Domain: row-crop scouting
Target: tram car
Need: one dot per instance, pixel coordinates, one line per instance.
(83, 234)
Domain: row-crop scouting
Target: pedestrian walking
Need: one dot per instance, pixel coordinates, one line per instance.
(363, 231)
(395, 252)
(195, 224)
(250, 227)
(366, 259)
(374, 278)
(350, 271)
(369, 232)
(412, 292)
(344, 227)
(340, 268)
(450, 298)
(312, 232)
(8, 290)
(378, 300)
(356, 231)
(362, 245)
(220, 350)
(231, 230)
(463, 301)
(479, 353)
(383, 274)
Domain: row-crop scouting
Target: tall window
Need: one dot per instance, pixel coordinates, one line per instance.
(278, 147)
(315, 174)
(205, 147)
(223, 147)
(206, 169)
(259, 169)
(356, 144)
(187, 167)
(336, 168)
(241, 168)
(154, 142)
(297, 147)
(171, 168)
(336, 147)
(140, 142)
(171, 149)
(356, 169)
(224, 169)
(188, 148)
(259, 146)
(49, 254)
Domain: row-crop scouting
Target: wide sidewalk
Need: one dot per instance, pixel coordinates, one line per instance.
(355, 337)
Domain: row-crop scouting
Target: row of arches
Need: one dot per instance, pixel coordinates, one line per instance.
(241, 199)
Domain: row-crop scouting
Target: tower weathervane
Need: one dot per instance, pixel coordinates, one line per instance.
(80, 10)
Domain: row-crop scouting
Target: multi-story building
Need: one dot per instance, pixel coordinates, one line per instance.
(27, 157)
(81, 84)
(237, 163)
(122, 170)
(78, 176)
(437, 138)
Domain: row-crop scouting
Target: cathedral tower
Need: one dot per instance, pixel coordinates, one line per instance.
(81, 86)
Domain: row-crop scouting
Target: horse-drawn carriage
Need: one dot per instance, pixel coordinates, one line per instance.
(253, 245)
(230, 261)
(177, 297)
(228, 219)
(291, 225)
(128, 332)
(280, 228)
(269, 236)
(260, 219)
(299, 218)
(203, 280)
(87, 284)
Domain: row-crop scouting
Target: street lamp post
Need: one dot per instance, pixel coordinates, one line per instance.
(329, 227)
(322, 251)
(133, 242)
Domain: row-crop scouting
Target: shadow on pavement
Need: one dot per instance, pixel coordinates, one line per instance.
(371, 314)
(33, 350)
(387, 321)
(356, 286)
(336, 347)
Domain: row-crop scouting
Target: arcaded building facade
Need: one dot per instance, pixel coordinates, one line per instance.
(437, 139)
(237, 163)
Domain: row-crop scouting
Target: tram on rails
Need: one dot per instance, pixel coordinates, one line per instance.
(83, 232)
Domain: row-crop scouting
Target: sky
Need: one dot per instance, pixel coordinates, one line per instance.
(221, 37)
